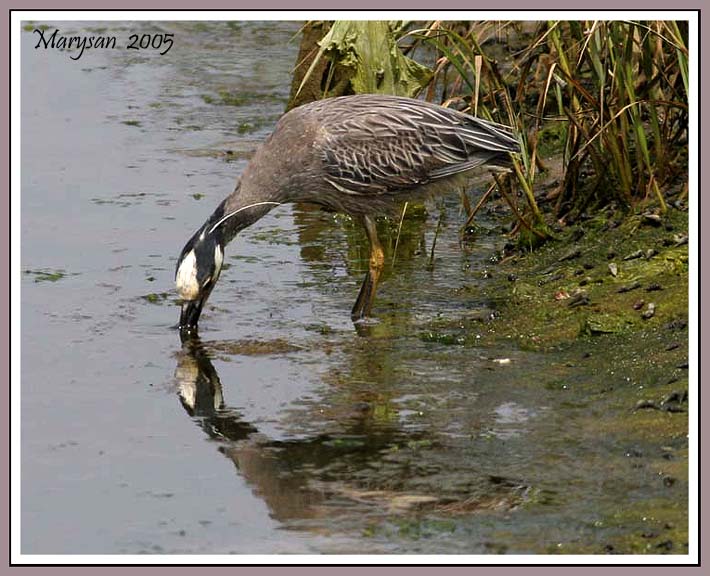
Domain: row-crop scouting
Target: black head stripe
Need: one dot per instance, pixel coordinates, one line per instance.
(204, 255)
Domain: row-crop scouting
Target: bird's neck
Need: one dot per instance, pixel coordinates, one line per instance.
(238, 211)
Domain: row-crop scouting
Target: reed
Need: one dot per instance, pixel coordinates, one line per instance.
(615, 91)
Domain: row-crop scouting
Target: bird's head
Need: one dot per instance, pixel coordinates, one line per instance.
(201, 259)
(196, 272)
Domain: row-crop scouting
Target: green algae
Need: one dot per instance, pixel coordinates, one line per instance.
(632, 369)
(232, 98)
(565, 298)
(656, 527)
(48, 275)
(157, 298)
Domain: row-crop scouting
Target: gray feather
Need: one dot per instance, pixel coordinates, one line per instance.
(381, 144)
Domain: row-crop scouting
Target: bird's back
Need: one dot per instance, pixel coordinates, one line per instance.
(366, 153)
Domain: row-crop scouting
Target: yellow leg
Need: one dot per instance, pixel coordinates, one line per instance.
(363, 304)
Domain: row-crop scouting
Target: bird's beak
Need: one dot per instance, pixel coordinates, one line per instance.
(189, 315)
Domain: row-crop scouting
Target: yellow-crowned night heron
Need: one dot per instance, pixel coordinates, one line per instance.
(362, 155)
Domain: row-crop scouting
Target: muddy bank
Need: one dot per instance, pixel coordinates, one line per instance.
(607, 303)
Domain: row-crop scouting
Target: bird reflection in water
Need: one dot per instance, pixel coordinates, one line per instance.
(286, 474)
(324, 476)
(264, 463)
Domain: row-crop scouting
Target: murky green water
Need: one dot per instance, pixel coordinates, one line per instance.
(284, 430)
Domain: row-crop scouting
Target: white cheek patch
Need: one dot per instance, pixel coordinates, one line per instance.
(218, 259)
(186, 278)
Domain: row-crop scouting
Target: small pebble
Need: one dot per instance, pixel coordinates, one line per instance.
(579, 298)
(572, 254)
(643, 404)
(639, 304)
(650, 253)
(555, 278)
(629, 287)
(561, 295)
(613, 269)
(680, 239)
(655, 287)
(649, 312)
(676, 325)
(652, 219)
(673, 409)
(634, 255)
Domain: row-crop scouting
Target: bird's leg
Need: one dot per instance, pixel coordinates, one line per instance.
(366, 297)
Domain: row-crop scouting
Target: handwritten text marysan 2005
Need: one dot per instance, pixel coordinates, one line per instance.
(57, 41)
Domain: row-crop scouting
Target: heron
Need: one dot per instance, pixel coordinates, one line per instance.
(362, 155)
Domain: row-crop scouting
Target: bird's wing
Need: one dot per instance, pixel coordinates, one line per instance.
(405, 145)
